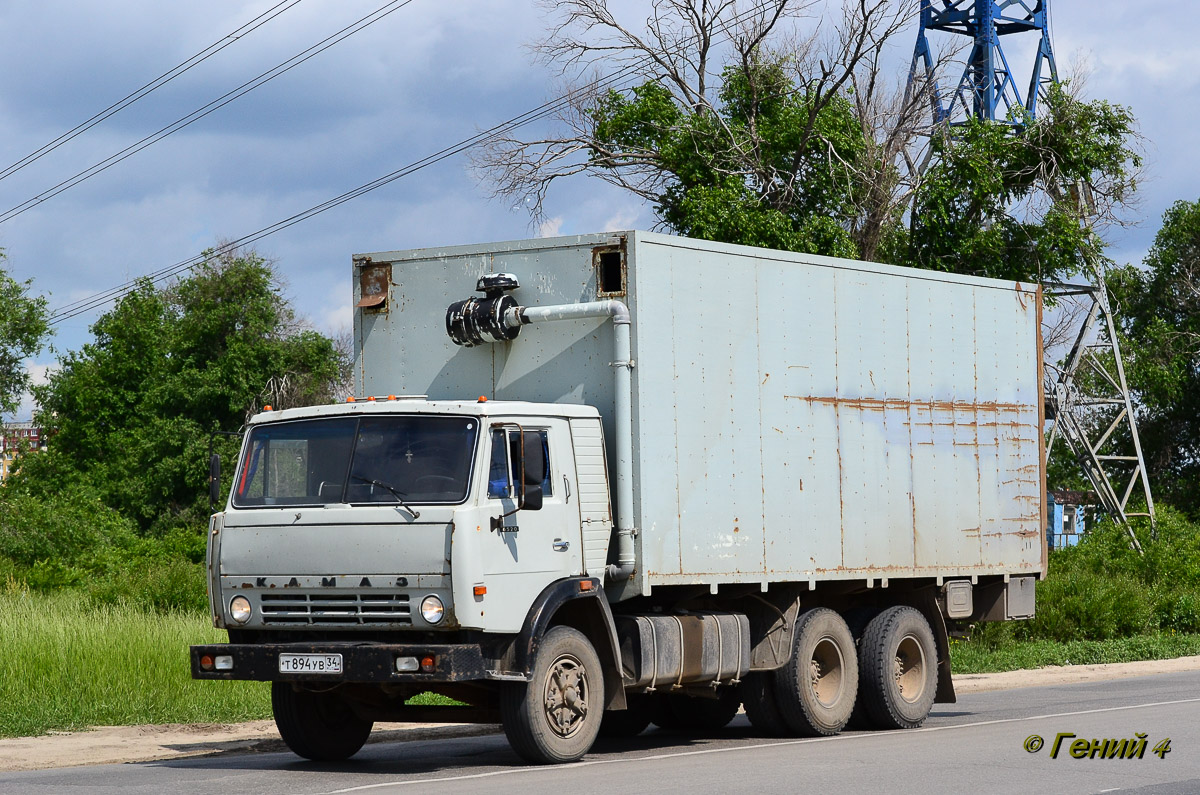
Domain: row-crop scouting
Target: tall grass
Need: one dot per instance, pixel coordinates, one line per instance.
(68, 663)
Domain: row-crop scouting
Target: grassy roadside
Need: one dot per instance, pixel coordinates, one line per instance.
(68, 664)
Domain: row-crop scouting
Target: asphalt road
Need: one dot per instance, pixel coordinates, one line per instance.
(975, 746)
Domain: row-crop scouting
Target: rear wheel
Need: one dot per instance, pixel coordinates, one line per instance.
(318, 726)
(762, 708)
(857, 619)
(817, 688)
(697, 714)
(556, 716)
(628, 722)
(899, 668)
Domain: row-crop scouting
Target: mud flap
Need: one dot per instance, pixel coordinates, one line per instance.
(927, 604)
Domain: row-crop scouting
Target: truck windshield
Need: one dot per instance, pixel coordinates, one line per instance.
(384, 459)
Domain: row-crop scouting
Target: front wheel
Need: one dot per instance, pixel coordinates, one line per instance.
(556, 716)
(317, 726)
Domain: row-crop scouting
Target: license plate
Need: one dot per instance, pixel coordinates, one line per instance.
(310, 663)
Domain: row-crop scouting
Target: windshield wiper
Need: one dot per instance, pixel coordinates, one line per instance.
(399, 496)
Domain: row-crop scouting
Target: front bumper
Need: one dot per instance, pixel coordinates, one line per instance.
(361, 662)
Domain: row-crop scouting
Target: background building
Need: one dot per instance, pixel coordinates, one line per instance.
(16, 437)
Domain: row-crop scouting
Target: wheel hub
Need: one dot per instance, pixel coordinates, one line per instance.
(825, 672)
(908, 669)
(566, 696)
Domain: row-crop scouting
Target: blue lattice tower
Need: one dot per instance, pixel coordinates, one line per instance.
(987, 89)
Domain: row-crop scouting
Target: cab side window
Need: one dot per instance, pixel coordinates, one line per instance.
(502, 474)
(498, 473)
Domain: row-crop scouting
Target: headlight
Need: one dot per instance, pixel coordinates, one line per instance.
(432, 609)
(239, 609)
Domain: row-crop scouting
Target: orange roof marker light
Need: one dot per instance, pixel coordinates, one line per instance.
(483, 398)
(351, 400)
(267, 408)
(391, 397)
(371, 399)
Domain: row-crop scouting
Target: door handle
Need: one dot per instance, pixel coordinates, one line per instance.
(567, 487)
(560, 545)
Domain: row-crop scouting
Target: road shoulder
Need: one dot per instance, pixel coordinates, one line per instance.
(1070, 674)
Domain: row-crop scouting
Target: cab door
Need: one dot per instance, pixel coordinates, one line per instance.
(525, 550)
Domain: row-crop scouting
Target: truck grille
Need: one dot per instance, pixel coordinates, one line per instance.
(335, 609)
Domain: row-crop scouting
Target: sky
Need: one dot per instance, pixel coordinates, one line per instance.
(430, 74)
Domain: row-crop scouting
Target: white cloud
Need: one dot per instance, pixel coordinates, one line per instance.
(623, 219)
(550, 227)
(338, 318)
(38, 375)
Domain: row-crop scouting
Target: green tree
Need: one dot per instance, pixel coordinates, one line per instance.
(805, 144)
(1159, 309)
(1022, 202)
(746, 171)
(130, 414)
(23, 331)
(731, 136)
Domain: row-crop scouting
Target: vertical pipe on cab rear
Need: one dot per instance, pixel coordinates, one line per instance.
(623, 410)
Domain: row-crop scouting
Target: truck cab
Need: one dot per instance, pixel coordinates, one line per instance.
(409, 515)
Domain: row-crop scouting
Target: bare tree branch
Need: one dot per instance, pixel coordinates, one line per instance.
(682, 47)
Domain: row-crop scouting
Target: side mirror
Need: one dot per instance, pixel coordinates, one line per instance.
(214, 481)
(533, 472)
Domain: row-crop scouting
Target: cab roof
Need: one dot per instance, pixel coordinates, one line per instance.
(419, 404)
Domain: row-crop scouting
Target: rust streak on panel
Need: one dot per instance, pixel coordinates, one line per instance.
(875, 570)
(912, 465)
(837, 422)
(882, 404)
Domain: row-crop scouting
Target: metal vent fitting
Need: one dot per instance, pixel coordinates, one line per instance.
(477, 321)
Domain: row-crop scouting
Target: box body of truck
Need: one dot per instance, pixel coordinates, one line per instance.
(795, 418)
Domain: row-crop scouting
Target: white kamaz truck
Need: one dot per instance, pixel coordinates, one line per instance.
(589, 483)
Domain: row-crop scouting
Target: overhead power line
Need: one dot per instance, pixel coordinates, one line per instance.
(200, 113)
(84, 305)
(150, 87)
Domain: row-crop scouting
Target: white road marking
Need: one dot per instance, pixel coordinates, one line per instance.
(757, 746)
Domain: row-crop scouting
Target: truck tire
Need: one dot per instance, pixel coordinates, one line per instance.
(556, 716)
(762, 708)
(899, 668)
(696, 714)
(857, 619)
(628, 722)
(817, 688)
(317, 726)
